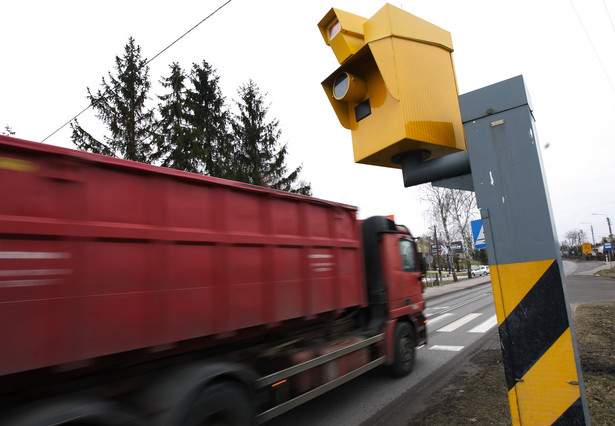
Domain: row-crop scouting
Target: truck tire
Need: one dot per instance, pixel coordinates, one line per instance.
(221, 404)
(403, 349)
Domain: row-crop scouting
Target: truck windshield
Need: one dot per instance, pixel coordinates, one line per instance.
(408, 256)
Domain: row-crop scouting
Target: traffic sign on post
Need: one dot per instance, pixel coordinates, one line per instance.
(478, 234)
(456, 247)
(607, 246)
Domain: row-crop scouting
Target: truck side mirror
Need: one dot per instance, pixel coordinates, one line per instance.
(422, 263)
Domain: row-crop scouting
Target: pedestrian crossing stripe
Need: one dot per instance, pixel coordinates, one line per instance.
(459, 323)
(485, 325)
(446, 348)
(542, 374)
(439, 318)
(480, 328)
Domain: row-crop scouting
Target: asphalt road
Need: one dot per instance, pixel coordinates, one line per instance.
(583, 287)
(460, 324)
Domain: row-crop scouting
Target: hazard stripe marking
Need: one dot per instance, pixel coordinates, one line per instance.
(573, 416)
(523, 275)
(551, 386)
(534, 325)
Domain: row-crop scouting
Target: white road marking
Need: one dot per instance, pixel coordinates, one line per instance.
(436, 307)
(441, 317)
(446, 348)
(460, 322)
(485, 326)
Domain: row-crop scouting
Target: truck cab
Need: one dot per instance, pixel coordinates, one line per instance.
(393, 272)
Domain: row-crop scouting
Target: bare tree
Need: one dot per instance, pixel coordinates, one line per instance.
(451, 211)
(440, 202)
(574, 239)
(571, 238)
(463, 208)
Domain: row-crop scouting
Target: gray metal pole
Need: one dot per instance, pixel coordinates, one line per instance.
(542, 367)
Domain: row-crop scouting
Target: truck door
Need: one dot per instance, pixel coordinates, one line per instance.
(401, 272)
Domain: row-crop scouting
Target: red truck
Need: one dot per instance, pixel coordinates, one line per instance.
(135, 294)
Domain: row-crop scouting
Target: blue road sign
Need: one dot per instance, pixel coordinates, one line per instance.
(608, 246)
(478, 234)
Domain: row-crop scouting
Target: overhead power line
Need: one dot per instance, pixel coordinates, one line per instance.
(146, 63)
(606, 74)
(608, 14)
(187, 32)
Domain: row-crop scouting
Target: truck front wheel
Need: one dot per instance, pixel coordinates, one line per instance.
(404, 345)
(221, 404)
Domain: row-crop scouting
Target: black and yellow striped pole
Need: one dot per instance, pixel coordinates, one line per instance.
(541, 362)
(539, 357)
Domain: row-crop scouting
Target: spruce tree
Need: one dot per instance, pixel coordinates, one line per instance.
(176, 145)
(208, 118)
(260, 157)
(120, 104)
(8, 131)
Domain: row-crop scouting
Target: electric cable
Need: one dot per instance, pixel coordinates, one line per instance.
(608, 14)
(606, 74)
(146, 63)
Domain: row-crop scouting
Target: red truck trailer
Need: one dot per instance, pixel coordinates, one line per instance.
(131, 293)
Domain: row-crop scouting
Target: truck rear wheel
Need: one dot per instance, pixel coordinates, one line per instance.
(221, 404)
(404, 350)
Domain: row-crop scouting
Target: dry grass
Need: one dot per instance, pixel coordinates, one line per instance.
(607, 273)
(478, 395)
(595, 330)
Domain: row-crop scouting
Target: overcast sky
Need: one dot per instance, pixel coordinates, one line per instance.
(53, 51)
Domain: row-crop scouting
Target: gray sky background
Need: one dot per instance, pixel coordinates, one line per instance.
(53, 51)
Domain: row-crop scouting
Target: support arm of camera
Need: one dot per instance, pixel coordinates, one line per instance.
(417, 171)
